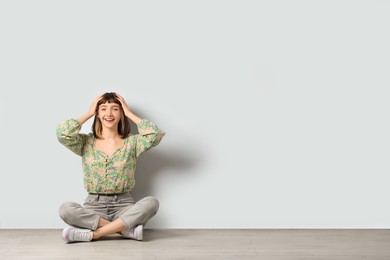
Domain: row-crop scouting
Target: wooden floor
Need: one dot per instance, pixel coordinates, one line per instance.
(267, 244)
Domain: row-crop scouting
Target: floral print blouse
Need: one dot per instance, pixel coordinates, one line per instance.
(105, 174)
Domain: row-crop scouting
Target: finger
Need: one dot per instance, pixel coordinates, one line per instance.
(121, 99)
(118, 95)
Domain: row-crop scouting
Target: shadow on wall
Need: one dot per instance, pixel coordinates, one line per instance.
(155, 161)
(151, 165)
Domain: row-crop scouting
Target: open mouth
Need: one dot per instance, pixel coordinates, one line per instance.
(109, 120)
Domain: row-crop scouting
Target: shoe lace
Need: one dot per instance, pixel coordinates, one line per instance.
(82, 234)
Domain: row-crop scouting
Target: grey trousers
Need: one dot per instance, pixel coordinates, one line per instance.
(109, 207)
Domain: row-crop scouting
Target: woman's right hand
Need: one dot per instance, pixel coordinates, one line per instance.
(92, 109)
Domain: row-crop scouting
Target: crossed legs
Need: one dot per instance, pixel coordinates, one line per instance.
(106, 227)
(127, 218)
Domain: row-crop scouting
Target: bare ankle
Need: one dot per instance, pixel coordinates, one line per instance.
(95, 235)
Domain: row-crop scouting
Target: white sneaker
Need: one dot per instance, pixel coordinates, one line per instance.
(135, 233)
(73, 234)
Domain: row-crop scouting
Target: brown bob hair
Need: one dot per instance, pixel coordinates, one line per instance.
(124, 122)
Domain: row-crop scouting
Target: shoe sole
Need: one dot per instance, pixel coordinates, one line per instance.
(139, 233)
(65, 235)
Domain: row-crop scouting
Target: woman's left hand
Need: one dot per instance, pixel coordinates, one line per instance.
(126, 108)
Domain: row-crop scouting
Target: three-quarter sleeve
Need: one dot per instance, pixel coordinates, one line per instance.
(149, 136)
(68, 134)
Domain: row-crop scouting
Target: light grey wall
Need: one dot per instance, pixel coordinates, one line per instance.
(275, 112)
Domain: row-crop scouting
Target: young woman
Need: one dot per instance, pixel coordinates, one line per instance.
(109, 157)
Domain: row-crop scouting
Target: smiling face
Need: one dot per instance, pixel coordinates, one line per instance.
(110, 114)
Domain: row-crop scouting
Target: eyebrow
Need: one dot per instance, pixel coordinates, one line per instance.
(106, 105)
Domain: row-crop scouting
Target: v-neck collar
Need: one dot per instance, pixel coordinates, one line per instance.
(104, 154)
